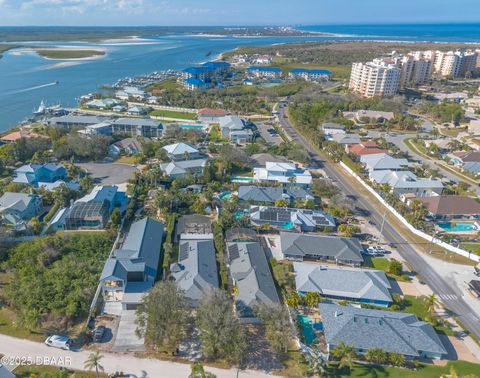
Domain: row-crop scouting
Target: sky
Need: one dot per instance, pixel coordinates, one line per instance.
(233, 12)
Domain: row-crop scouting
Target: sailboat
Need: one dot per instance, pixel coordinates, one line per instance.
(41, 109)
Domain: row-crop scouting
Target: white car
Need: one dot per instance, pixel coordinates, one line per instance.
(61, 342)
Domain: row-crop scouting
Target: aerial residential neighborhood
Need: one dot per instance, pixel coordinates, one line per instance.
(235, 201)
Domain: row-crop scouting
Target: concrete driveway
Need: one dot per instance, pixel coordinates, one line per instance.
(126, 340)
(109, 173)
(269, 138)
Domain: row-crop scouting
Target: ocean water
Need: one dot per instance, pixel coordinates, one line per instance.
(467, 32)
(26, 78)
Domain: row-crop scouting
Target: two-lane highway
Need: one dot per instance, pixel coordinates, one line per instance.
(449, 294)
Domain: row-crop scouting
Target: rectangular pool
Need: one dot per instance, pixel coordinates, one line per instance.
(458, 226)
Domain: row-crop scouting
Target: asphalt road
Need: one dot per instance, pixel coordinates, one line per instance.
(447, 292)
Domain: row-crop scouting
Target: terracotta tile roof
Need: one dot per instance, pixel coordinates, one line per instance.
(451, 205)
(14, 136)
(208, 111)
(363, 149)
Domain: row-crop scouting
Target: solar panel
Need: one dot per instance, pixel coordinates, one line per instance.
(233, 252)
(183, 252)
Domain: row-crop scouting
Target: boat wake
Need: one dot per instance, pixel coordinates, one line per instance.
(34, 88)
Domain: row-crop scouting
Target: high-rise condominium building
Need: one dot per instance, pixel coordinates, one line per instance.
(378, 78)
(455, 63)
(416, 68)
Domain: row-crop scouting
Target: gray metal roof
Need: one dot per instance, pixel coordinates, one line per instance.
(193, 224)
(77, 119)
(270, 194)
(404, 180)
(342, 282)
(341, 249)
(387, 330)
(346, 138)
(140, 252)
(16, 201)
(380, 161)
(251, 274)
(282, 216)
(182, 167)
(196, 271)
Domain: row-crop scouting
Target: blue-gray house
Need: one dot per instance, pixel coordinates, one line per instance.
(132, 269)
(344, 283)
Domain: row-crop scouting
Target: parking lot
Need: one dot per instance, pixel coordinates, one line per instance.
(268, 133)
(109, 173)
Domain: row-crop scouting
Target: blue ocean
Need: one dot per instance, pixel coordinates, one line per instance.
(26, 78)
(468, 32)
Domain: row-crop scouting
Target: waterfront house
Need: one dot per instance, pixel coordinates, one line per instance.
(181, 151)
(339, 250)
(103, 103)
(448, 208)
(270, 194)
(131, 92)
(19, 208)
(343, 283)
(195, 273)
(22, 133)
(176, 169)
(264, 72)
(392, 332)
(69, 121)
(287, 174)
(132, 269)
(301, 220)
(251, 277)
(402, 182)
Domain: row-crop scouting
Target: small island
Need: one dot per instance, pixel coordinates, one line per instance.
(62, 54)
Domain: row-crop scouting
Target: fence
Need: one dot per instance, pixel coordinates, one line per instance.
(423, 235)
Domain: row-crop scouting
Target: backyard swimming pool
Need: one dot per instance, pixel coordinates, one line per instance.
(225, 195)
(191, 126)
(457, 226)
(308, 329)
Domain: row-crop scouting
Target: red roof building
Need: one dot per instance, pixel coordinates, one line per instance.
(365, 148)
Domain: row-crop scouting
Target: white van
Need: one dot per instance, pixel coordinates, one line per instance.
(56, 341)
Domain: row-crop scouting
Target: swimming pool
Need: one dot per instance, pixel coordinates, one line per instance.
(225, 195)
(241, 179)
(458, 226)
(287, 226)
(308, 332)
(191, 126)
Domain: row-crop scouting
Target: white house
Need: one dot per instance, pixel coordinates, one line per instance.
(283, 173)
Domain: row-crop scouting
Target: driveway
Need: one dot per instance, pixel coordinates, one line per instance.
(109, 173)
(140, 367)
(126, 339)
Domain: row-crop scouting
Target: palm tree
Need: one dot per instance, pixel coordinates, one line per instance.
(93, 362)
(345, 353)
(312, 298)
(376, 355)
(431, 302)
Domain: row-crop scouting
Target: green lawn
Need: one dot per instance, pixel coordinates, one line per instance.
(174, 114)
(170, 84)
(423, 370)
(452, 132)
(472, 247)
(380, 263)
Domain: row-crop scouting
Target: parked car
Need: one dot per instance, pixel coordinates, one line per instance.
(98, 334)
(57, 341)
